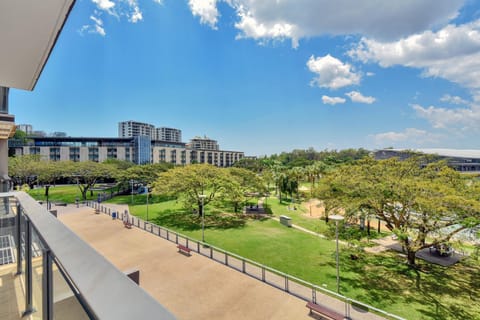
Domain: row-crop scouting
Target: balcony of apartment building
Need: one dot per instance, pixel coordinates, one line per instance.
(48, 272)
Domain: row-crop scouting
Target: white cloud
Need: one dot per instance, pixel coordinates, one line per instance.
(100, 30)
(452, 53)
(97, 27)
(356, 96)
(332, 100)
(253, 28)
(332, 73)
(443, 118)
(370, 74)
(97, 21)
(297, 19)
(410, 136)
(453, 99)
(104, 4)
(136, 15)
(206, 10)
(128, 9)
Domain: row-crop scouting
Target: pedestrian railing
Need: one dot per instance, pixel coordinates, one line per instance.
(283, 281)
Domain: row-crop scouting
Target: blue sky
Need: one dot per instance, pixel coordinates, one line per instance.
(267, 76)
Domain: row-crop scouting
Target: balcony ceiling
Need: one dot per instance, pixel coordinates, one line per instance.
(28, 32)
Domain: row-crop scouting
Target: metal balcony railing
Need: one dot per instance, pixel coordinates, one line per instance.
(63, 277)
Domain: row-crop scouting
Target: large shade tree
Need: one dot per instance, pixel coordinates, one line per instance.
(24, 169)
(242, 185)
(191, 183)
(87, 173)
(145, 173)
(423, 204)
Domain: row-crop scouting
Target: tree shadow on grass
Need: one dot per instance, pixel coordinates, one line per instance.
(435, 291)
(190, 221)
(451, 291)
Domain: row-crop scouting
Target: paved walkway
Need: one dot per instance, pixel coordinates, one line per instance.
(192, 287)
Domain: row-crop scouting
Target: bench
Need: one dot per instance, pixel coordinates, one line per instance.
(127, 224)
(184, 250)
(61, 204)
(324, 311)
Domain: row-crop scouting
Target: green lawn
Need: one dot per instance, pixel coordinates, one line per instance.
(63, 193)
(299, 216)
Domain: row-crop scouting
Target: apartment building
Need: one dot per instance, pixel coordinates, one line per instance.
(134, 128)
(205, 143)
(139, 150)
(168, 134)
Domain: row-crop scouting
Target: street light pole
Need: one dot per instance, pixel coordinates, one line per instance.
(337, 218)
(202, 196)
(148, 193)
(47, 186)
(131, 192)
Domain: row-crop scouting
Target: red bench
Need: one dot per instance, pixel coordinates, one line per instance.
(127, 224)
(324, 311)
(183, 249)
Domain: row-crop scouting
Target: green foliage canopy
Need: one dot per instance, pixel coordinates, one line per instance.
(423, 204)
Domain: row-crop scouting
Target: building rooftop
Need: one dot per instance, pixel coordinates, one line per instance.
(453, 153)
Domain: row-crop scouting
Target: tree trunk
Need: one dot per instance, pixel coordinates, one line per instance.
(368, 227)
(84, 194)
(411, 257)
(200, 210)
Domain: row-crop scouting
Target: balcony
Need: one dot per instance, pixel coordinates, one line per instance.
(48, 272)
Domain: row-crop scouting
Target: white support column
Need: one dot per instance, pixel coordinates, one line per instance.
(7, 128)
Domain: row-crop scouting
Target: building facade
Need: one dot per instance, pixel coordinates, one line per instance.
(168, 134)
(27, 128)
(460, 160)
(134, 128)
(205, 143)
(139, 150)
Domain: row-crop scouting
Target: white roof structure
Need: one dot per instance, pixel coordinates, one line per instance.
(28, 32)
(452, 153)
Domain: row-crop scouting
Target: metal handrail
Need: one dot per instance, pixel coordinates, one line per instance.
(99, 283)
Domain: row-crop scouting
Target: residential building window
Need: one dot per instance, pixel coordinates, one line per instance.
(54, 153)
(75, 154)
(93, 154)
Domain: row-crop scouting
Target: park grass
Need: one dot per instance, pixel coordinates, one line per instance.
(62, 193)
(299, 216)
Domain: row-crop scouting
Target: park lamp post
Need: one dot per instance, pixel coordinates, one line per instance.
(47, 186)
(202, 197)
(337, 218)
(131, 192)
(148, 194)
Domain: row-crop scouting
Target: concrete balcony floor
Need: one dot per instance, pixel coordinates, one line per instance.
(12, 298)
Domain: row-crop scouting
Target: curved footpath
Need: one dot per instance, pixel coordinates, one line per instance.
(194, 287)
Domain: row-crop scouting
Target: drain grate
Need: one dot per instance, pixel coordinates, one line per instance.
(6, 249)
(6, 256)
